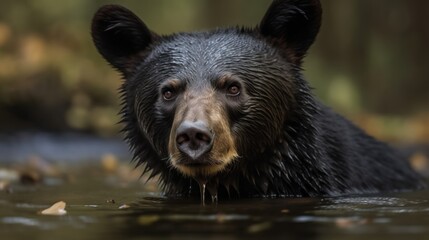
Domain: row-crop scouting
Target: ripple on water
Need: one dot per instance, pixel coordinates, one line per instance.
(376, 204)
(27, 222)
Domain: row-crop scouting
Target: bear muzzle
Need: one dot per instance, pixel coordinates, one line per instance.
(201, 141)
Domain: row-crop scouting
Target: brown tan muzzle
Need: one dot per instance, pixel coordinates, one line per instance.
(201, 142)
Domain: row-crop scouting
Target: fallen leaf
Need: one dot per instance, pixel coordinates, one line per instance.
(148, 219)
(57, 209)
(124, 206)
(258, 227)
(349, 223)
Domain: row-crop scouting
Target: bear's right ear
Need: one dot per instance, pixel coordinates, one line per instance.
(120, 36)
(294, 24)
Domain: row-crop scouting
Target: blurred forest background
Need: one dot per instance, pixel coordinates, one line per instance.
(370, 61)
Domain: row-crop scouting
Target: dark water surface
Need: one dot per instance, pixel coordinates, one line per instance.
(104, 201)
(91, 214)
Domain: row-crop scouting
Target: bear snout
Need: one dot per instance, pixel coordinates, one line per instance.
(201, 142)
(194, 139)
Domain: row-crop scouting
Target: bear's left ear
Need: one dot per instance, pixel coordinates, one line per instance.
(121, 37)
(294, 24)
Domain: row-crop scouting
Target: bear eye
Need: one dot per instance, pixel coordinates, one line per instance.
(233, 90)
(168, 94)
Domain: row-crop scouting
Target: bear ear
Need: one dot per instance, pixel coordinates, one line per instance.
(120, 36)
(294, 24)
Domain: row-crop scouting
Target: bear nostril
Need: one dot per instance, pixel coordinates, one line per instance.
(194, 139)
(203, 137)
(182, 138)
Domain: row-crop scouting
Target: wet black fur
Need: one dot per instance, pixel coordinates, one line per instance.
(289, 143)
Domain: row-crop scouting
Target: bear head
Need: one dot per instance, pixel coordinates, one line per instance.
(209, 105)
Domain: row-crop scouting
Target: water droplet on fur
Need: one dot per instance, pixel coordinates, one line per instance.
(203, 193)
(202, 184)
(212, 187)
(214, 199)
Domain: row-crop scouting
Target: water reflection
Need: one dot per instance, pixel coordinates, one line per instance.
(95, 209)
(248, 218)
(306, 218)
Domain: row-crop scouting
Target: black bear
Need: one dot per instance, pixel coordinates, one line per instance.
(229, 110)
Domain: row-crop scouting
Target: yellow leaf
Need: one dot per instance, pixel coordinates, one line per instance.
(57, 209)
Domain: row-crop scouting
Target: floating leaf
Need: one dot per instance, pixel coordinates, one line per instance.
(349, 222)
(57, 209)
(124, 206)
(258, 227)
(285, 211)
(148, 219)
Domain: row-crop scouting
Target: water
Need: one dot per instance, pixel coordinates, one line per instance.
(105, 200)
(211, 187)
(95, 210)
